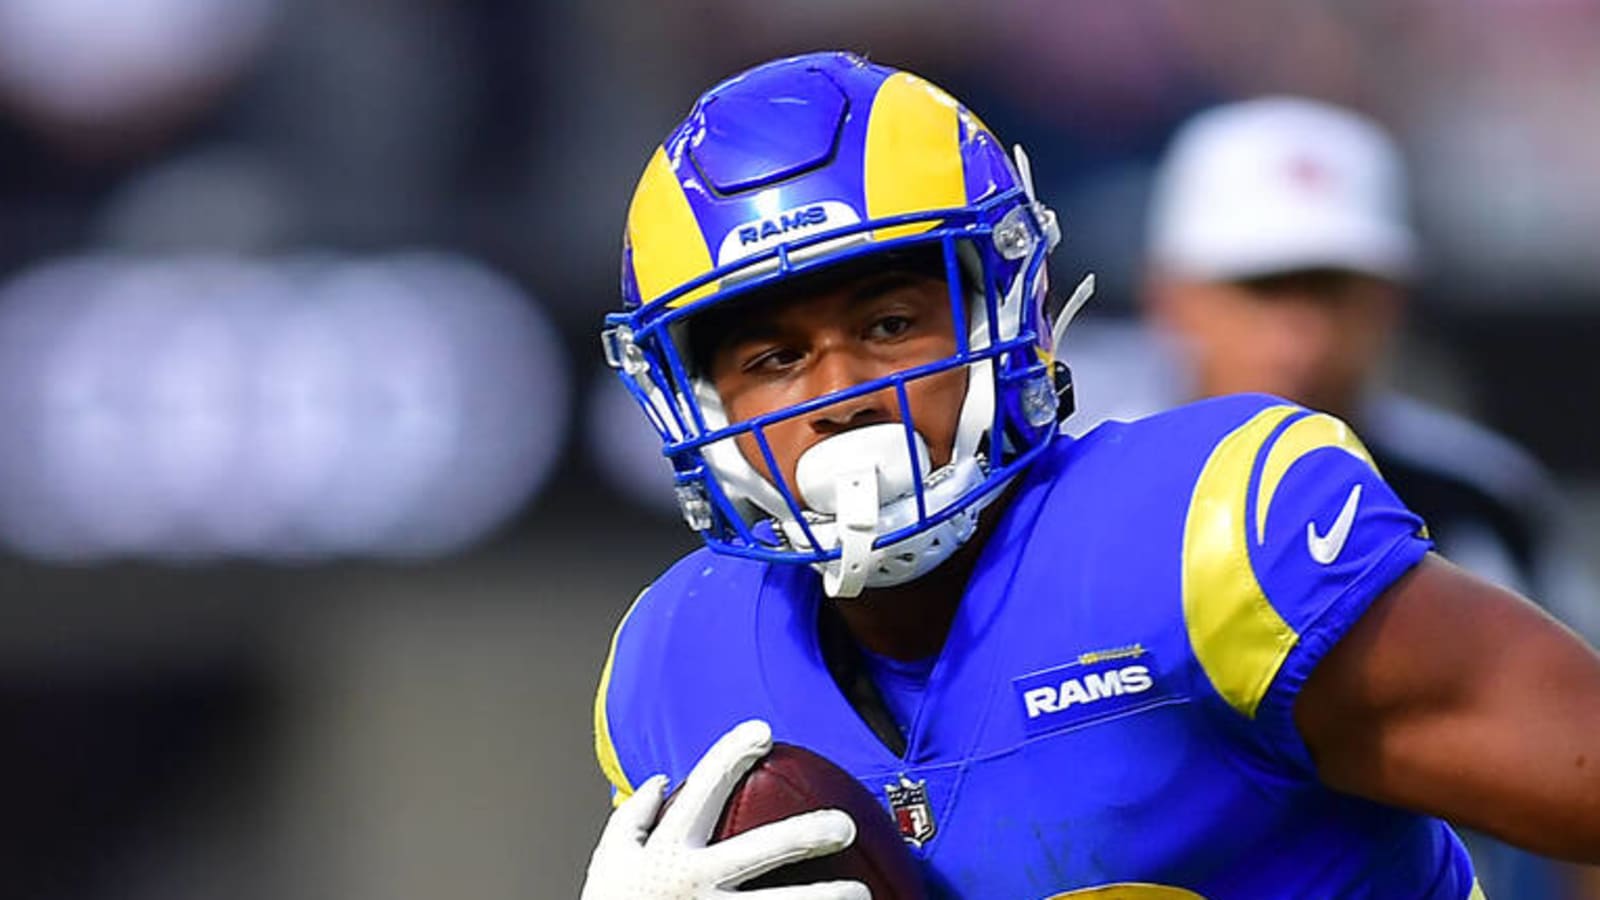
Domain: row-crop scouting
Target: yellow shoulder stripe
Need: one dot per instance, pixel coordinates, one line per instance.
(1239, 639)
(1310, 433)
(1237, 635)
(604, 750)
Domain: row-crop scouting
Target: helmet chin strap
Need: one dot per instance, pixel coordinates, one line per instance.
(848, 476)
(856, 492)
(1080, 296)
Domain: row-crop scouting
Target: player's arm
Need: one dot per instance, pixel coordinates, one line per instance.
(1457, 698)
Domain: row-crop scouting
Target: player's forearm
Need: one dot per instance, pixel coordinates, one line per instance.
(1548, 780)
(1456, 698)
(1530, 778)
(1559, 825)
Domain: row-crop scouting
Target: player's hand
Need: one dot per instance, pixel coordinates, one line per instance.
(673, 861)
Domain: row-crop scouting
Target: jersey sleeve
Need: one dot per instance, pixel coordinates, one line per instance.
(1291, 533)
(612, 697)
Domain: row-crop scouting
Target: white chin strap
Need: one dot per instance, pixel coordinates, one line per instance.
(856, 521)
(860, 485)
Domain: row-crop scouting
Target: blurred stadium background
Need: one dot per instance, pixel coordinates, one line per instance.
(316, 505)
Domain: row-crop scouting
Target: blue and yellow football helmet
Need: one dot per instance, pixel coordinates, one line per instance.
(806, 163)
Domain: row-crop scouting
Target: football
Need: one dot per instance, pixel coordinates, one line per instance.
(792, 780)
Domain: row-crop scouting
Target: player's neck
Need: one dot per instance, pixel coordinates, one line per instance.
(911, 621)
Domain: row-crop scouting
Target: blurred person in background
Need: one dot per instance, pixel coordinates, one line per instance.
(1208, 653)
(1280, 258)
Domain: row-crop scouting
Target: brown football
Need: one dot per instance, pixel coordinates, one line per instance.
(792, 780)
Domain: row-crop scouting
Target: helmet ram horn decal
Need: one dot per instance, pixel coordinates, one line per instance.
(807, 163)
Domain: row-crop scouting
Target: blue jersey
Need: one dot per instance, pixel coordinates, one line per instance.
(1113, 705)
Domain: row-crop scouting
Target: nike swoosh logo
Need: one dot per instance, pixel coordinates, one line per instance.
(1325, 548)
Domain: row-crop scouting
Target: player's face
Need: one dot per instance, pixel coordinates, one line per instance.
(779, 354)
(1314, 337)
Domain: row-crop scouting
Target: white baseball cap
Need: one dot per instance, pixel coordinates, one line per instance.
(1281, 184)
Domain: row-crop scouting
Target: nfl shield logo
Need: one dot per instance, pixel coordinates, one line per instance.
(908, 800)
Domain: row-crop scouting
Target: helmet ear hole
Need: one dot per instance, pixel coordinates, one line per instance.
(1066, 397)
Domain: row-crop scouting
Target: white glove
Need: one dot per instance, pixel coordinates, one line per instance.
(674, 862)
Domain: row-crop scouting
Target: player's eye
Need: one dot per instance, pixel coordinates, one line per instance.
(889, 326)
(770, 359)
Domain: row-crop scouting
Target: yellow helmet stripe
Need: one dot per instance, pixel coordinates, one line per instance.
(912, 160)
(668, 248)
(1237, 636)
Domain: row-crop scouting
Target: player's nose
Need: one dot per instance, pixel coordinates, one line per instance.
(840, 370)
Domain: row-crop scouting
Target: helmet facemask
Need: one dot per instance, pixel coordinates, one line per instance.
(802, 165)
(868, 509)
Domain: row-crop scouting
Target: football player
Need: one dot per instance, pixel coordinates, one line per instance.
(1205, 654)
(1281, 254)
